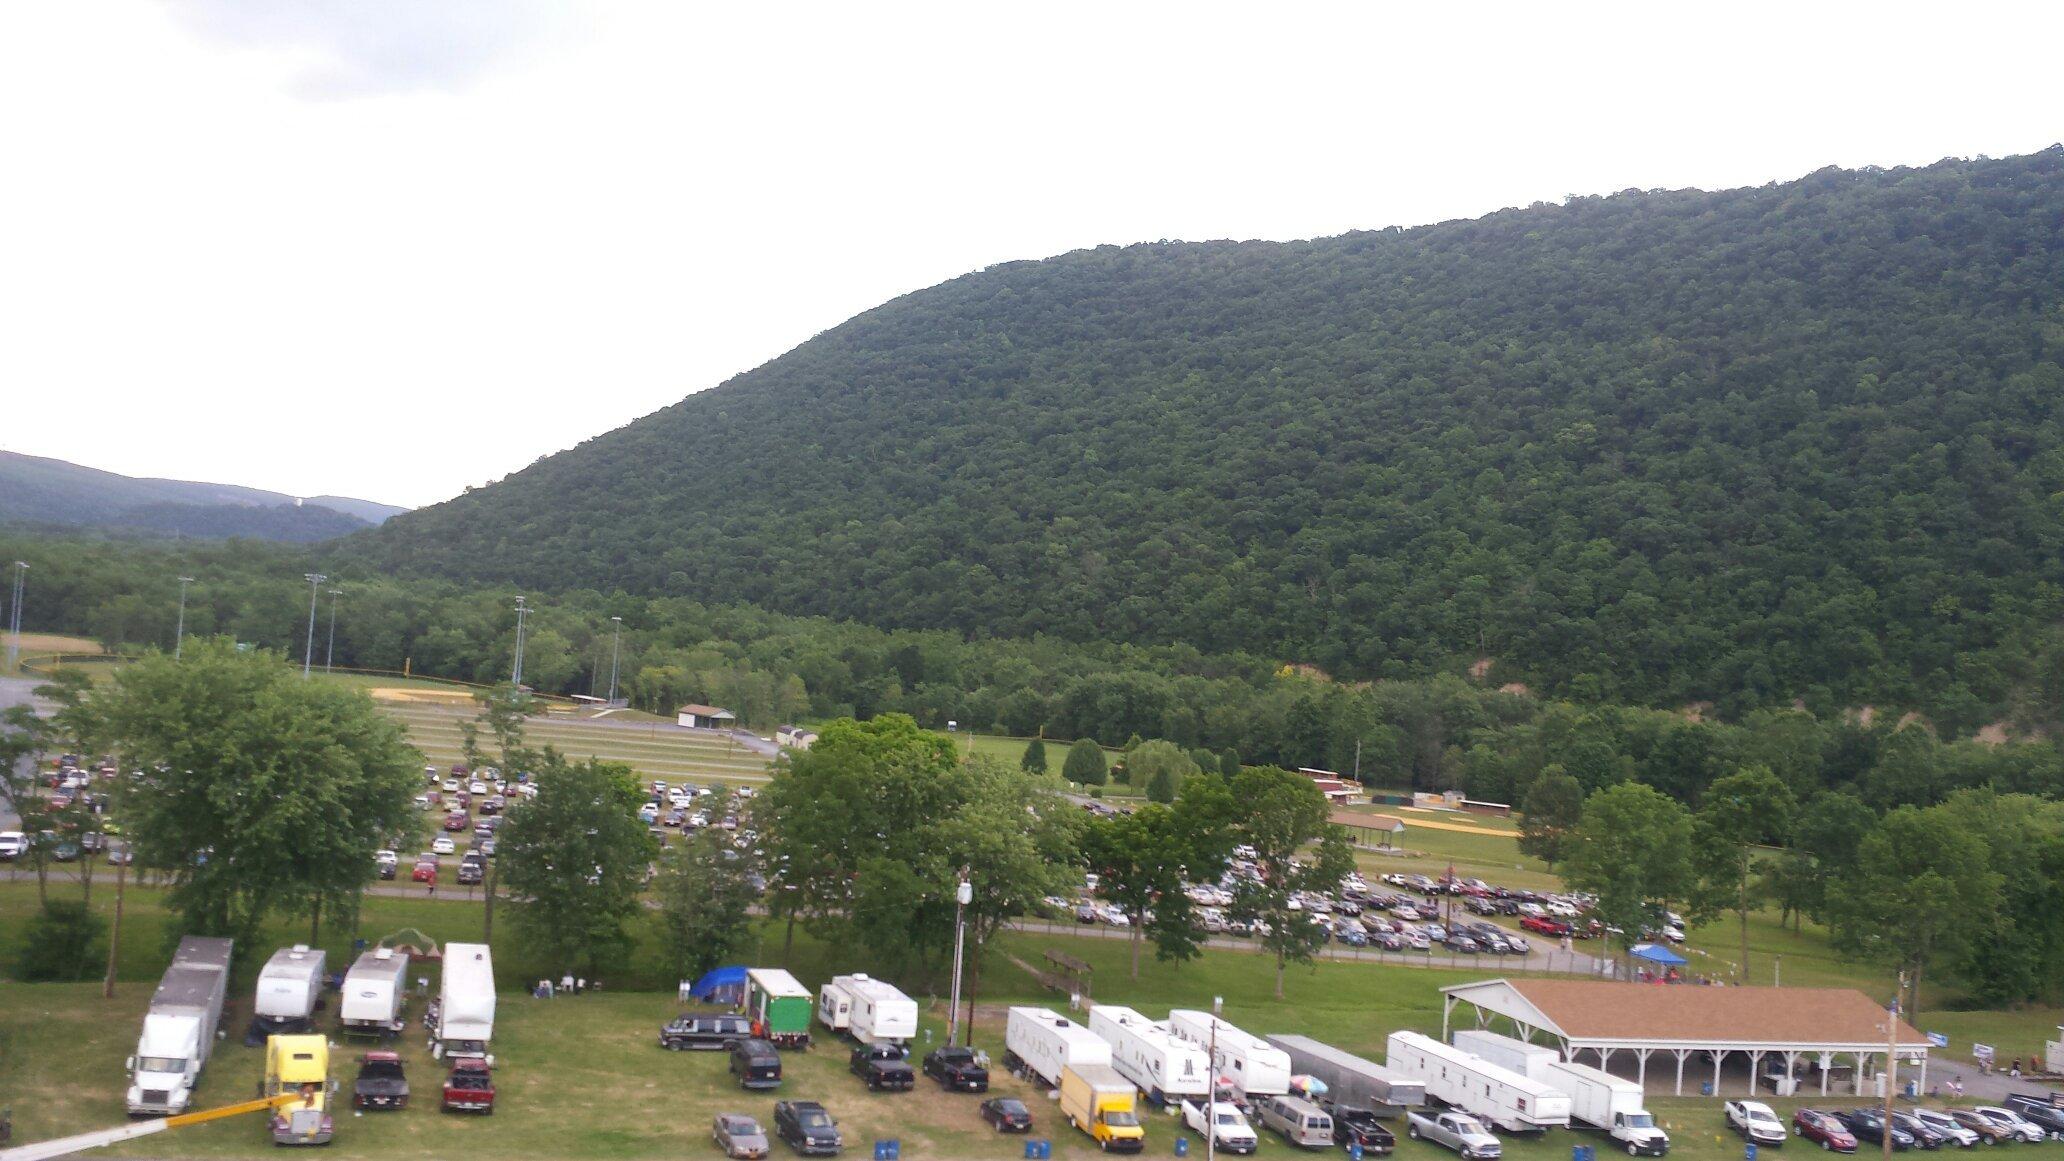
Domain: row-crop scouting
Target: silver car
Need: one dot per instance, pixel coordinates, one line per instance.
(738, 1135)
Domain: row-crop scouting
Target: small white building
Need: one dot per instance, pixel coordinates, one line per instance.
(705, 717)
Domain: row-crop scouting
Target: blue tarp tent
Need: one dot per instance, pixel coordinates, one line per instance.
(1652, 952)
(724, 985)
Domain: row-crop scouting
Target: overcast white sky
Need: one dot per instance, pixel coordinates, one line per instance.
(390, 248)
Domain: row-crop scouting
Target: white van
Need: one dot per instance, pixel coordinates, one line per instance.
(13, 845)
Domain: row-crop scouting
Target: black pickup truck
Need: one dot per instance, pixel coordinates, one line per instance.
(882, 1066)
(956, 1067)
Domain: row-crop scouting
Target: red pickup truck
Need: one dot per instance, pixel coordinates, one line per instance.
(1545, 925)
(470, 1087)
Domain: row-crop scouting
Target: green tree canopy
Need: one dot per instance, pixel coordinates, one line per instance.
(1086, 764)
(262, 793)
(1632, 849)
(574, 860)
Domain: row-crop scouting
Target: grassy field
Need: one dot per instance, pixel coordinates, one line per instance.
(581, 1078)
(653, 751)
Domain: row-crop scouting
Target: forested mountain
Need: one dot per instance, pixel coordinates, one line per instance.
(37, 490)
(1793, 441)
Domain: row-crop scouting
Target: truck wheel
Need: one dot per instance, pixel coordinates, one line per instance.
(1412, 1131)
(1825, 1144)
(1632, 1149)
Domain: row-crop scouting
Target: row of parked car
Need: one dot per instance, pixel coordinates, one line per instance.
(2029, 1118)
(880, 1065)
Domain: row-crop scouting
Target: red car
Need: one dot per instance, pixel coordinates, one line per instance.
(457, 821)
(1545, 925)
(1822, 1127)
(426, 870)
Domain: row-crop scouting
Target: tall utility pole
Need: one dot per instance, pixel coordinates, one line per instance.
(21, 571)
(615, 655)
(1890, 1078)
(330, 654)
(1211, 1092)
(179, 634)
(963, 894)
(315, 580)
(516, 674)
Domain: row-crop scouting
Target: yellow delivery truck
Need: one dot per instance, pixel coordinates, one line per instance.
(299, 1066)
(1100, 1102)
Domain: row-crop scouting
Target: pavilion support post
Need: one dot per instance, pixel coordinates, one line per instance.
(1641, 1070)
(1791, 1069)
(1605, 1059)
(1861, 1057)
(1718, 1059)
(1755, 1067)
(1681, 1054)
(1827, 1063)
(1923, 1090)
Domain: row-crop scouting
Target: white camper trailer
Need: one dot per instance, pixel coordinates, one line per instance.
(882, 1012)
(290, 987)
(1043, 1043)
(1145, 1053)
(1495, 1095)
(1253, 1066)
(1352, 1082)
(374, 990)
(179, 1026)
(835, 1003)
(1505, 1052)
(466, 1000)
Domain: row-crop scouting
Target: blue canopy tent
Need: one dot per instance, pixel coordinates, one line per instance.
(1656, 953)
(724, 985)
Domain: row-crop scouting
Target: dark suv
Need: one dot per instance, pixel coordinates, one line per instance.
(756, 1064)
(712, 1032)
(882, 1066)
(807, 1128)
(2043, 1110)
(956, 1067)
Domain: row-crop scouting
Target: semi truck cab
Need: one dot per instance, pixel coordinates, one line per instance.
(165, 1066)
(300, 1066)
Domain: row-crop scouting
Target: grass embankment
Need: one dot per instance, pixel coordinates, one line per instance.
(651, 749)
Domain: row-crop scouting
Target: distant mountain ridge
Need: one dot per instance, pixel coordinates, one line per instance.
(1798, 441)
(36, 489)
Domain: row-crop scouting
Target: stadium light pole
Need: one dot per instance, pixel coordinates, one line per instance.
(179, 634)
(516, 673)
(330, 654)
(21, 584)
(615, 655)
(315, 580)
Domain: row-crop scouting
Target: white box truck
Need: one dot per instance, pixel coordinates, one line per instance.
(1145, 1053)
(1253, 1066)
(1041, 1043)
(466, 1001)
(1352, 1082)
(882, 1012)
(290, 987)
(1497, 1096)
(1608, 1102)
(179, 1026)
(374, 990)
(1505, 1052)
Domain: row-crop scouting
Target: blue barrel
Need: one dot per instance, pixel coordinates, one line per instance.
(1705, 1088)
(1182, 1146)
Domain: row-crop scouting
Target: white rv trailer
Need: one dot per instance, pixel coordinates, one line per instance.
(466, 998)
(1495, 1095)
(1043, 1043)
(1505, 1052)
(374, 990)
(290, 986)
(882, 1012)
(1253, 1066)
(1145, 1053)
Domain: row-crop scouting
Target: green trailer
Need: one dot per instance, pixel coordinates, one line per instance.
(780, 1007)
